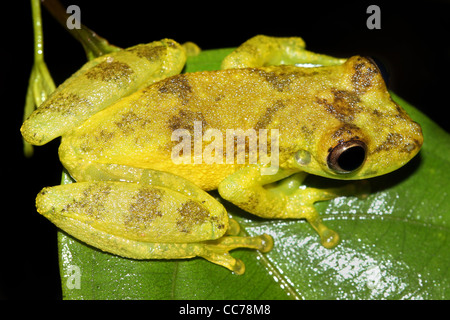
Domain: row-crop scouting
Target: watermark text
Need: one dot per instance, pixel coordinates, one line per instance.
(240, 147)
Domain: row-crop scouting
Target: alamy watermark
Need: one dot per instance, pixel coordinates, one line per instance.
(374, 20)
(191, 148)
(73, 277)
(74, 20)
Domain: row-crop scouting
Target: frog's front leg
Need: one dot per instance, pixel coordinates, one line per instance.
(281, 196)
(98, 84)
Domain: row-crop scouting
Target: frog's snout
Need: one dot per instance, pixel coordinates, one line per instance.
(43, 202)
(395, 149)
(414, 139)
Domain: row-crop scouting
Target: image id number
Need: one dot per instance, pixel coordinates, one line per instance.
(246, 309)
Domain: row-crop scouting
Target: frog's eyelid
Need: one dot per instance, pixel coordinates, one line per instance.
(347, 156)
(381, 68)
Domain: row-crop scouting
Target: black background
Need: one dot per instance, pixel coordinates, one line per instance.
(413, 44)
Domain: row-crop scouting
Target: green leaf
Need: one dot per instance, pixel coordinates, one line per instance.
(395, 244)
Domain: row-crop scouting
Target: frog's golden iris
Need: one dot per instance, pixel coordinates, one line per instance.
(347, 156)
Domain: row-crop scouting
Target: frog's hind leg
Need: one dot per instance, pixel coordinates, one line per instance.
(217, 251)
(264, 51)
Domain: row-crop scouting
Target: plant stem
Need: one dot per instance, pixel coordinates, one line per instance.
(41, 84)
(93, 44)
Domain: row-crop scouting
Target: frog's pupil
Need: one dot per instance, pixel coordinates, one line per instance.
(347, 156)
(352, 158)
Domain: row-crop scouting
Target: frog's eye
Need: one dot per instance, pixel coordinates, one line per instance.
(347, 156)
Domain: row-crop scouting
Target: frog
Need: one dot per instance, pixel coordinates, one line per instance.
(329, 117)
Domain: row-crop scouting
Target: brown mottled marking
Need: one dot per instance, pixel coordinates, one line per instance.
(64, 103)
(308, 130)
(85, 145)
(110, 71)
(401, 114)
(279, 81)
(252, 201)
(92, 203)
(346, 98)
(171, 43)
(267, 117)
(144, 209)
(344, 105)
(362, 78)
(219, 97)
(347, 132)
(105, 136)
(152, 54)
(216, 221)
(191, 213)
(177, 85)
(185, 120)
(127, 122)
(378, 113)
(393, 140)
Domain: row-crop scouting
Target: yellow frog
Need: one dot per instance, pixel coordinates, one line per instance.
(144, 143)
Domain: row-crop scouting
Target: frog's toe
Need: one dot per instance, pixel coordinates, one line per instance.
(216, 251)
(266, 243)
(238, 267)
(263, 243)
(234, 228)
(329, 238)
(224, 259)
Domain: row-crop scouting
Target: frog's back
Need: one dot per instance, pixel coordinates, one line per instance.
(137, 131)
(143, 130)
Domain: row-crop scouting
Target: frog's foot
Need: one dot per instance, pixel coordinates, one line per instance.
(216, 251)
(300, 206)
(329, 238)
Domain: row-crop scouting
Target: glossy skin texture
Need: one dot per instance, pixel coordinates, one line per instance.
(320, 113)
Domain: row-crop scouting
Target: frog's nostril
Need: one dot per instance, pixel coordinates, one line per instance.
(410, 147)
